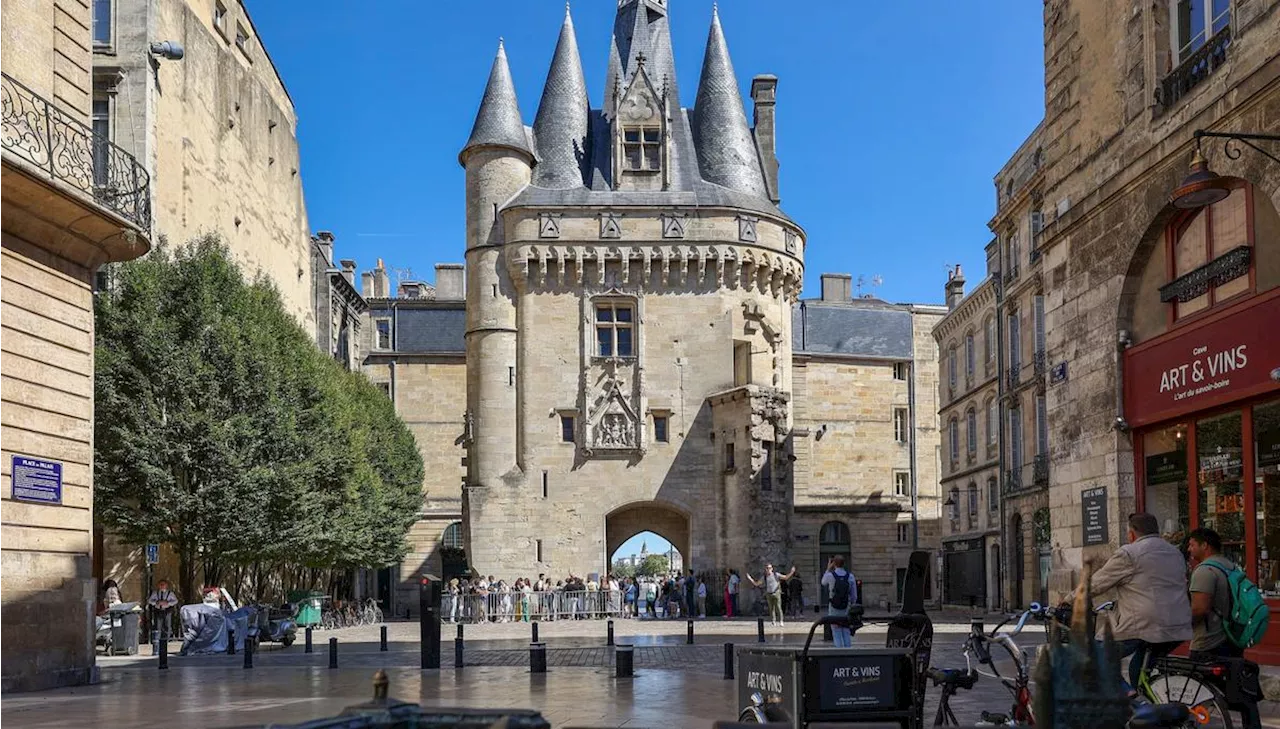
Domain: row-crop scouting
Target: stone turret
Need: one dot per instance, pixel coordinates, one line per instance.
(726, 148)
(499, 162)
(561, 128)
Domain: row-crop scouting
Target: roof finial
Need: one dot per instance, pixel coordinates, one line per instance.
(640, 59)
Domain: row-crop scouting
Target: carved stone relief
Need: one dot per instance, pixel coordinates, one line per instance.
(791, 238)
(673, 225)
(549, 225)
(610, 226)
(747, 228)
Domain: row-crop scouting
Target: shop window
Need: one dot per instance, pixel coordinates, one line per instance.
(1220, 481)
(1266, 437)
(1207, 267)
(1165, 468)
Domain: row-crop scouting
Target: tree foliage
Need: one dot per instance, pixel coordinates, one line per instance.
(654, 565)
(623, 568)
(221, 430)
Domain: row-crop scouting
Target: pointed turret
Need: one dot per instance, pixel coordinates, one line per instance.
(641, 29)
(560, 129)
(726, 148)
(498, 123)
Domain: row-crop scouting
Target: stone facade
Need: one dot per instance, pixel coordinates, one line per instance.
(339, 307)
(216, 130)
(58, 228)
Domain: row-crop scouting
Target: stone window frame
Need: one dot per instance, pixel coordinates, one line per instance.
(730, 460)
(904, 532)
(1182, 52)
(385, 387)
(901, 371)
(993, 494)
(992, 415)
(663, 414)
(901, 482)
(901, 424)
(989, 336)
(971, 434)
(220, 20)
(244, 41)
(648, 138)
(445, 536)
(953, 441)
(614, 301)
(1178, 227)
(377, 334)
(970, 358)
(571, 415)
(953, 370)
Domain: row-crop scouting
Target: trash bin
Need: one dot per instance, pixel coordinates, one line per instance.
(309, 604)
(125, 625)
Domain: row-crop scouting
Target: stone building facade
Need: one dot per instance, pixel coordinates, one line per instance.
(1160, 377)
(71, 203)
(339, 307)
(215, 128)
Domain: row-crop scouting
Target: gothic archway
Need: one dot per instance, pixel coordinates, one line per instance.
(661, 518)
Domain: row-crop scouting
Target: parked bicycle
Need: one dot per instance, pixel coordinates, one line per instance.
(978, 645)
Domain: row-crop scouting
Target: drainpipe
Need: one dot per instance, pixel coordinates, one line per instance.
(915, 500)
(1006, 573)
(804, 327)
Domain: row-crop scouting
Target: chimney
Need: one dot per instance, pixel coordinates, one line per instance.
(378, 282)
(349, 270)
(366, 284)
(955, 288)
(764, 97)
(837, 288)
(324, 239)
(450, 282)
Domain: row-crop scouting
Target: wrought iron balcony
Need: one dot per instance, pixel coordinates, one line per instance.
(1013, 480)
(1040, 470)
(1198, 66)
(1041, 363)
(1035, 252)
(67, 150)
(1011, 275)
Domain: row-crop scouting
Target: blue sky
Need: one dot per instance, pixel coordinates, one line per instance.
(655, 543)
(893, 117)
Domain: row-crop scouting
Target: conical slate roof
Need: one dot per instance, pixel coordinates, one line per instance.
(561, 127)
(640, 28)
(726, 148)
(498, 123)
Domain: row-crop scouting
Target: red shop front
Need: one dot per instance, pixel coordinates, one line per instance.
(1204, 402)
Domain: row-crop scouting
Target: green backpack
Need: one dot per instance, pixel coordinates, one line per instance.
(1247, 622)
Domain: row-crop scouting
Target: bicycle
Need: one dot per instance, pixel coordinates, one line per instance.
(1201, 686)
(978, 644)
(371, 614)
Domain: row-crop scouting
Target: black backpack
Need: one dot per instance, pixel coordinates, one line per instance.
(840, 591)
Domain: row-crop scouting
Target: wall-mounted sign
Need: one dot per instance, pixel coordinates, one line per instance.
(153, 554)
(1058, 373)
(1168, 467)
(1210, 363)
(36, 480)
(1093, 515)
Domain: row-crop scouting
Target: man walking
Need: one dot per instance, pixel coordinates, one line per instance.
(1210, 600)
(772, 584)
(844, 593)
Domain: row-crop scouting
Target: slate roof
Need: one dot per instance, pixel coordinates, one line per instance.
(424, 329)
(498, 123)
(564, 117)
(866, 328)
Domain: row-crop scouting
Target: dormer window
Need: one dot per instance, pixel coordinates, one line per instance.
(642, 148)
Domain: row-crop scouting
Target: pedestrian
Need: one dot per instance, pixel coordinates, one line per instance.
(691, 595)
(772, 583)
(728, 601)
(110, 594)
(796, 588)
(735, 582)
(161, 602)
(702, 598)
(844, 593)
(1210, 600)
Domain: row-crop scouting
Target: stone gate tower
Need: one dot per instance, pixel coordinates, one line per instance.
(630, 279)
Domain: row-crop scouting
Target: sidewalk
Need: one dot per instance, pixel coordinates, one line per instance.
(1271, 682)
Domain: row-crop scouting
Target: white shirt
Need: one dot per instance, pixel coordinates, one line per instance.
(733, 584)
(702, 589)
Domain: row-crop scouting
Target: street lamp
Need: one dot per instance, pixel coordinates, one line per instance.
(1203, 187)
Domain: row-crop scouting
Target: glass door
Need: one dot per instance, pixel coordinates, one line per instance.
(1266, 493)
(1220, 481)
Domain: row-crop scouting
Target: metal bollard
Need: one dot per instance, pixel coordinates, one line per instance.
(609, 641)
(309, 648)
(535, 631)
(624, 661)
(333, 653)
(459, 631)
(689, 640)
(537, 658)
(457, 652)
(231, 644)
(760, 629)
(164, 654)
(383, 644)
(248, 654)
(826, 633)
(728, 660)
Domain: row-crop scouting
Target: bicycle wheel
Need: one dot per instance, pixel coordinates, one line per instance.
(752, 715)
(1208, 705)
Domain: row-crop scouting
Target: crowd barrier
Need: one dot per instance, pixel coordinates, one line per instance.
(496, 607)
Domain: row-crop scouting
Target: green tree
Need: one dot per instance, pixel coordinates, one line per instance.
(653, 565)
(222, 430)
(623, 568)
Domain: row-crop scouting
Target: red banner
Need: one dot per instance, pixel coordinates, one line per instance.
(1212, 362)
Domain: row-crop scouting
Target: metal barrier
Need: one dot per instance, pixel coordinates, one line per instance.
(514, 607)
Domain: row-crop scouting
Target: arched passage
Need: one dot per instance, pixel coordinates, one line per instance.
(660, 518)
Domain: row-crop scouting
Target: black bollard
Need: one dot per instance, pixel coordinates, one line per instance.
(248, 654)
(309, 649)
(826, 633)
(537, 658)
(333, 653)
(609, 641)
(459, 631)
(689, 640)
(164, 654)
(535, 631)
(624, 661)
(728, 660)
(383, 645)
(231, 644)
(457, 652)
(760, 629)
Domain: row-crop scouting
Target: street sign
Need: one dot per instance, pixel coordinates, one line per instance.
(36, 480)
(153, 554)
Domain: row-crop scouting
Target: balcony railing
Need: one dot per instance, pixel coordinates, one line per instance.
(1014, 375)
(1011, 275)
(1040, 362)
(1013, 480)
(1196, 68)
(1035, 252)
(67, 150)
(1040, 470)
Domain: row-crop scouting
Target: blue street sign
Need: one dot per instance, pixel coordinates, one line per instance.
(36, 480)
(153, 554)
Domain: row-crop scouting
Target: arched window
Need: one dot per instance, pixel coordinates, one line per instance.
(1219, 235)
(993, 494)
(452, 538)
(951, 368)
(953, 437)
(989, 343)
(971, 437)
(970, 358)
(954, 501)
(834, 532)
(973, 501)
(833, 540)
(993, 422)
